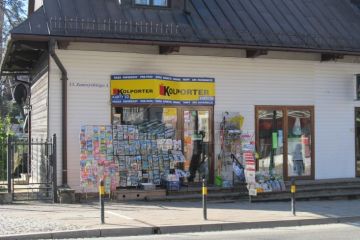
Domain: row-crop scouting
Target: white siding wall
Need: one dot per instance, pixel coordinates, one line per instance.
(335, 120)
(38, 3)
(55, 100)
(39, 123)
(39, 101)
(240, 84)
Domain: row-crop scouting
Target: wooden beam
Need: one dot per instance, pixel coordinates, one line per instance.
(168, 49)
(254, 53)
(325, 57)
(27, 45)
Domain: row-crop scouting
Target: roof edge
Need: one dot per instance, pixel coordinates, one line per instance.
(29, 37)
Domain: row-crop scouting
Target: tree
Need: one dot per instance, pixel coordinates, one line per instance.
(12, 13)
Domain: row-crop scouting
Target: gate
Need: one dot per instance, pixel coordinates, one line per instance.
(32, 173)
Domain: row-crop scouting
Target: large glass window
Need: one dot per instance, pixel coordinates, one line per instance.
(271, 141)
(139, 115)
(285, 140)
(299, 142)
(151, 142)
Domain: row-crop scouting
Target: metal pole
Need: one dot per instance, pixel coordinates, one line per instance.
(204, 198)
(29, 140)
(101, 197)
(9, 164)
(293, 200)
(54, 167)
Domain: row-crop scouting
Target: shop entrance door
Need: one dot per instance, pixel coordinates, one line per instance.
(357, 141)
(197, 139)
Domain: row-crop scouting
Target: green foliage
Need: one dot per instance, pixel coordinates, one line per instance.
(5, 130)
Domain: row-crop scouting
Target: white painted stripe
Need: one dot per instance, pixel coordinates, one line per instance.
(119, 215)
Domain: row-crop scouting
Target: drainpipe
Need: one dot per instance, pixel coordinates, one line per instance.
(64, 79)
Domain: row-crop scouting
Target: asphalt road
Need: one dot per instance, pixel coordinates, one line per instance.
(350, 231)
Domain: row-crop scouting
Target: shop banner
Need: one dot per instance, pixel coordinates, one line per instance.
(135, 89)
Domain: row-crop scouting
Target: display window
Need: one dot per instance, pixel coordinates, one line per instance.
(285, 141)
(151, 142)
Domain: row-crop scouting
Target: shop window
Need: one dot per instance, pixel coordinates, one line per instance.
(151, 142)
(270, 148)
(143, 115)
(145, 143)
(285, 141)
(156, 3)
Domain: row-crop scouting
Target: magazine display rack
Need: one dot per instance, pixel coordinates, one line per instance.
(145, 153)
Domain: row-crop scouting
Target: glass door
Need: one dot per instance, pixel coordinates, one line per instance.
(197, 143)
(357, 141)
(270, 140)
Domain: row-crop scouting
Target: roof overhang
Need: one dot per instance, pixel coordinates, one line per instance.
(23, 54)
(24, 51)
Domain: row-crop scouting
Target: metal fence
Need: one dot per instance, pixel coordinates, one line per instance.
(28, 169)
(3, 166)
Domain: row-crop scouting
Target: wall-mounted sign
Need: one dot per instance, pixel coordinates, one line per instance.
(22, 78)
(134, 89)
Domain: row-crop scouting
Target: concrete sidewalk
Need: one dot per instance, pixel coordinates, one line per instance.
(39, 220)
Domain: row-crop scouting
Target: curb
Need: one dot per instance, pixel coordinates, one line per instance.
(126, 232)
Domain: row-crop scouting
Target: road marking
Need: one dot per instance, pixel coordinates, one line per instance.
(119, 215)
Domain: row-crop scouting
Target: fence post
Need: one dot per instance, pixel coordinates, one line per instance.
(9, 164)
(54, 163)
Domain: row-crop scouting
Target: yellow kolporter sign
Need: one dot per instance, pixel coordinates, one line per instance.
(132, 89)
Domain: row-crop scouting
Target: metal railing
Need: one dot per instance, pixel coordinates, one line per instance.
(29, 175)
(118, 27)
(3, 166)
(114, 28)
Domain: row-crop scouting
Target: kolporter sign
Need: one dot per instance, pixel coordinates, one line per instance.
(131, 89)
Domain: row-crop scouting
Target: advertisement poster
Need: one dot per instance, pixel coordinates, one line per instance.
(162, 89)
(248, 146)
(96, 158)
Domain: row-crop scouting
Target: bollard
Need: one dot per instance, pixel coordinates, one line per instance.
(101, 197)
(293, 191)
(204, 198)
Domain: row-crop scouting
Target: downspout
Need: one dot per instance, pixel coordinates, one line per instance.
(64, 79)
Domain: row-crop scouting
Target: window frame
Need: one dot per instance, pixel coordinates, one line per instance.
(151, 4)
(285, 110)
